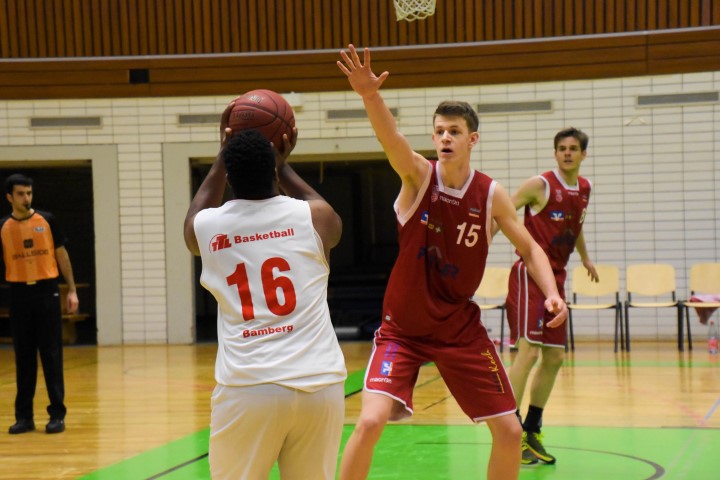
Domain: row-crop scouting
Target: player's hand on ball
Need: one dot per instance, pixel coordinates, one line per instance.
(225, 131)
(288, 146)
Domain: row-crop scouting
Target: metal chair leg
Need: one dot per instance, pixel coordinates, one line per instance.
(687, 325)
(627, 328)
(618, 326)
(680, 334)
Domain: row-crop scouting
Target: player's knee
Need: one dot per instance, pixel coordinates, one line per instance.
(506, 433)
(531, 354)
(370, 425)
(514, 432)
(554, 358)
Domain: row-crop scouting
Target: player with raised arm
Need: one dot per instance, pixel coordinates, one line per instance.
(444, 211)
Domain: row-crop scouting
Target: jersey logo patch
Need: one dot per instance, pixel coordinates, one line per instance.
(28, 243)
(219, 242)
(474, 212)
(557, 216)
(424, 217)
(434, 226)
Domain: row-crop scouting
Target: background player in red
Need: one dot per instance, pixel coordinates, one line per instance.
(555, 205)
(445, 211)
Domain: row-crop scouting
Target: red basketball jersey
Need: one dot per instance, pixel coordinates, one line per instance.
(556, 227)
(444, 241)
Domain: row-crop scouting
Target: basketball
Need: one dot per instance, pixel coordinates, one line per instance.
(265, 111)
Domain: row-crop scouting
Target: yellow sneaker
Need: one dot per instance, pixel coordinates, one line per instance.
(528, 457)
(534, 443)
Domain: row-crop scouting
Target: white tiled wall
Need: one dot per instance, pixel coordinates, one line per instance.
(655, 171)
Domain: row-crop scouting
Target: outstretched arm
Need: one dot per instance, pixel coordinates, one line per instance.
(538, 266)
(409, 165)
(211, 190)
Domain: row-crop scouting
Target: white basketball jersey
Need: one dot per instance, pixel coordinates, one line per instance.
(263, 262)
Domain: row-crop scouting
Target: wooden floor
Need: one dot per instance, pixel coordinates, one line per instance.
(123, 401)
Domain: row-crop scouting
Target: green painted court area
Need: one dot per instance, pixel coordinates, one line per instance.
(461, 452)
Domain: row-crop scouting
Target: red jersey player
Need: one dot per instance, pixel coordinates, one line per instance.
(555, 206)
(444, 212)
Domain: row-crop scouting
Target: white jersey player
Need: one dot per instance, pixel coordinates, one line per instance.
(279, 368)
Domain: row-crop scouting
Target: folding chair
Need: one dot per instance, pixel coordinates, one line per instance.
(652, 280)
(607, 288)
(494, 286)
(704, 279)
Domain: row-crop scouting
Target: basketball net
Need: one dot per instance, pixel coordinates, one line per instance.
(413, 9)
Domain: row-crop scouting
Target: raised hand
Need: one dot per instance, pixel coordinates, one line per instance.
(288, 146)
(362, 79)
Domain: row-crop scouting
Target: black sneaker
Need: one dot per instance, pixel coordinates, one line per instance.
(534, 443)
(22, 426)
(55, 425)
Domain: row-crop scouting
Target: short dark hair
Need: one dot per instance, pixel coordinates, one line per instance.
(452, 108)
(17, 179)
(577, 134)
(250, 163)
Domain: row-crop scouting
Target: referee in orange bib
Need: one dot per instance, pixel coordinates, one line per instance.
(33, 249)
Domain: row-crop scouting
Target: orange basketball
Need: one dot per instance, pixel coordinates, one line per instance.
(265, 111)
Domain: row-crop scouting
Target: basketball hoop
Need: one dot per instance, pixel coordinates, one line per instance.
(413, 9)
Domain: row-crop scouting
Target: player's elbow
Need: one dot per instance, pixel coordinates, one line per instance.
(191, 242)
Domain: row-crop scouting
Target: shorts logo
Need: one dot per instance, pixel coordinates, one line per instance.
(379, 380)
(493, 367)
(386, 368)
(219, 241)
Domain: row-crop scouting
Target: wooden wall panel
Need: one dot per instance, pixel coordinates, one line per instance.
(477, 63)
(86, 48)
(90, 28)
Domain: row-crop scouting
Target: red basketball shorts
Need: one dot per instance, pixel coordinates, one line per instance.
(473, 372)
(526, 314)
